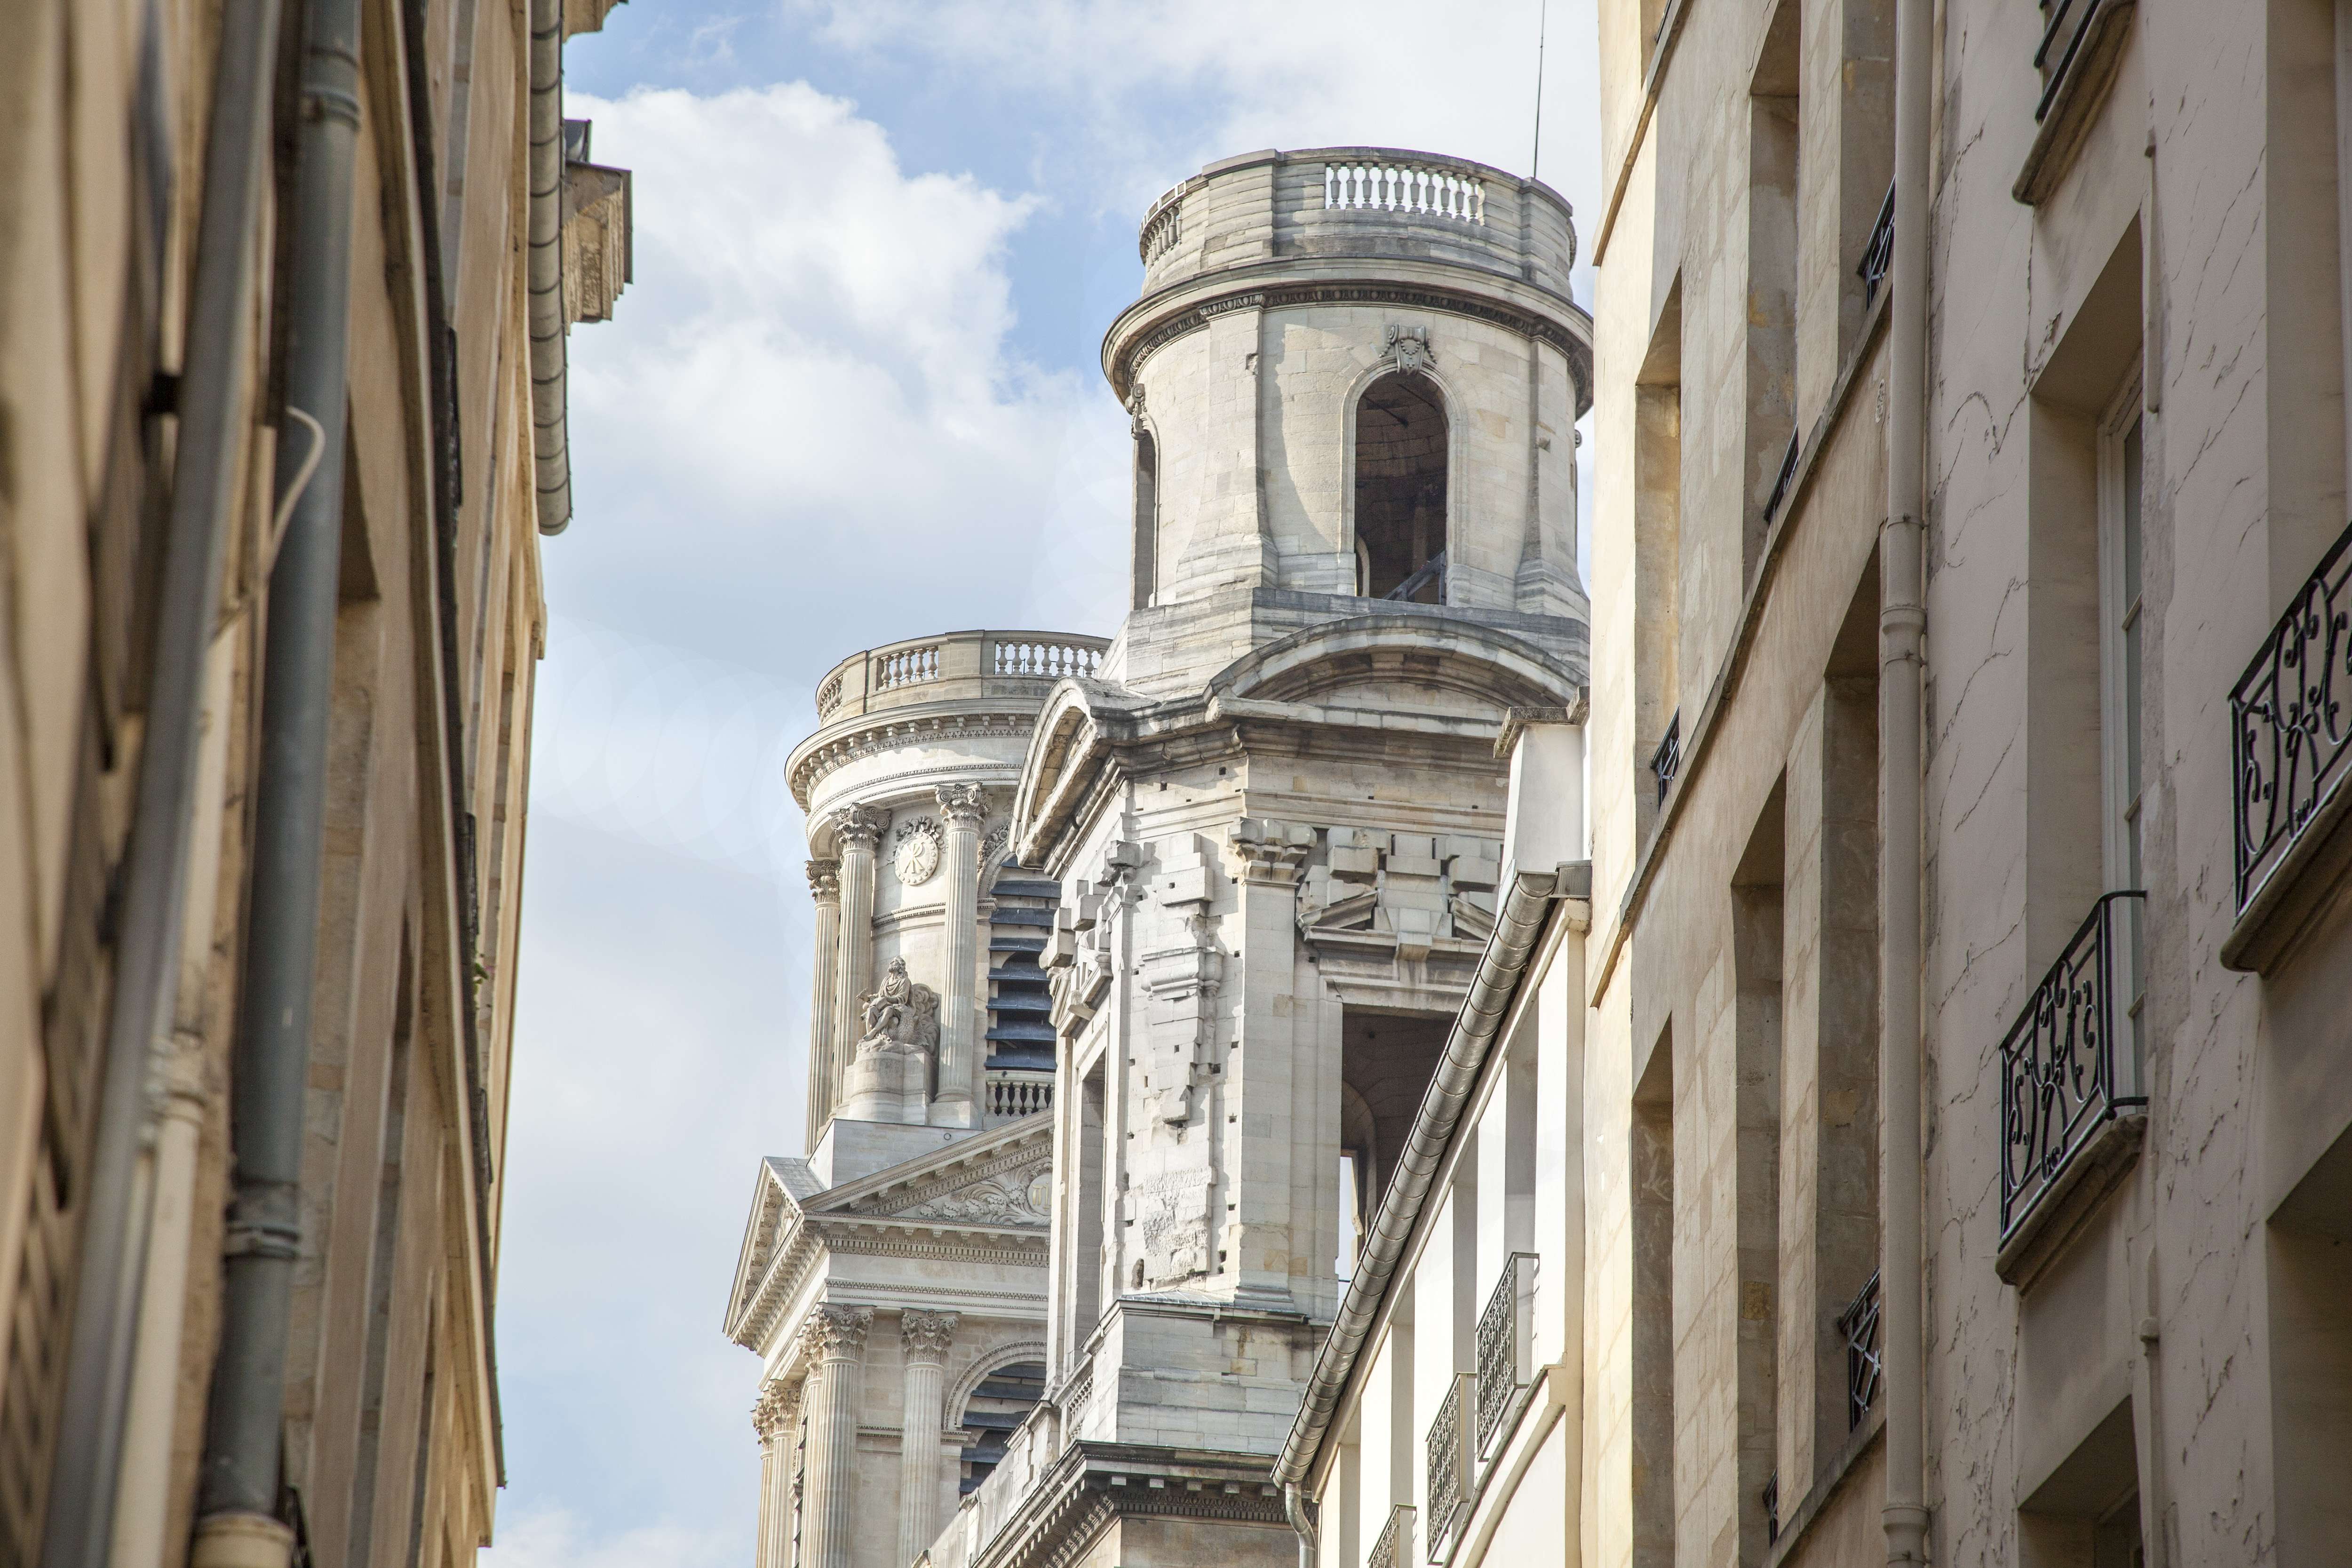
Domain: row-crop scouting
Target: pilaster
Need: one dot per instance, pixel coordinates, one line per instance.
(776, 1417)
(825, 998)
(964, 806)
(836, 1345)
(857, 831)
(926, 1338)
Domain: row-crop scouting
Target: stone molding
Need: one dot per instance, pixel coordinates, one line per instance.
(837, 1333)
(892, 732)
(1271, 852)
(1128, 362)
(927, 1335)
(825, 881)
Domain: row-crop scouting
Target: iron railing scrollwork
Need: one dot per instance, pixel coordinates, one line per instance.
(1864, 1361)
(1667, 761)
(1450, 1460)
(2067, 1065)
(2291, 732)
(1878, 255)
(1394, 1547)
(1506, 1352)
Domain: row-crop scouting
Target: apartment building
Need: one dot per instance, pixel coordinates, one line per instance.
(284, 290)
(1963, 1106)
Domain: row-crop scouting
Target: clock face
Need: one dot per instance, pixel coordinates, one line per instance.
(919, 854)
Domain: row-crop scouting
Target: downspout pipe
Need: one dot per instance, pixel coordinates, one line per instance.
(214, 402)
(550, 439)
(1302, 1519)
(237, 1507)
(1902, 635)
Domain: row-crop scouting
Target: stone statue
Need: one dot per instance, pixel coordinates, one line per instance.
(889, 1074)
(902, 1013)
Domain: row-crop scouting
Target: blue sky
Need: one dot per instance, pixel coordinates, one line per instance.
(851, 395)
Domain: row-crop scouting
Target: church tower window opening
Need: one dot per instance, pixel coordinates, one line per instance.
(997, 1407)
(1402, 440)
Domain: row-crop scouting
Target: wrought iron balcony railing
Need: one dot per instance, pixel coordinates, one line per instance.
(1771, 1501)
(1505, 1343)
(1394, 1547)
(1668, 759)
(2069, 1064)
(1450, 1460)
(1858, 1326)
(1878, 255)
(2291, 730)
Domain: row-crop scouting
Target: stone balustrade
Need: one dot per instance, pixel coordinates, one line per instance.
(1373, 203)
(952, 666)
(1013, 1094)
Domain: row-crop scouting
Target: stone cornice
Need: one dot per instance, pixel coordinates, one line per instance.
(871, 735)
(1571, 331)
(1091, 1484)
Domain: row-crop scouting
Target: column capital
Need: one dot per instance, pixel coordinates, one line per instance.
(776, 1409)
(859, 824)
(837, 1333)
(824, 880)
(965, 805)
(926, 1336)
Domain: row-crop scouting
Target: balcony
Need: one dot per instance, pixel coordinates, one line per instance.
(952, 666)
(1394, 1547)
(1012, 1094)
(1450, 1460)
(1505, 1345)
(2071, 1110)
(2290, 737)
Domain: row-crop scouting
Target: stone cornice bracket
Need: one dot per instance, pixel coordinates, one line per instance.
(837, 1333)
(825, 881)
(776, 1410)
(1407, 349)
(926, 1336)
(860, 824)
(1271, 852)
(965, 803)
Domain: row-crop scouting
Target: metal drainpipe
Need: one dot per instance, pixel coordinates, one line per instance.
(214, 391)
(1902, 630)
(1302, 1519)
(551, 442)
(238, 1506)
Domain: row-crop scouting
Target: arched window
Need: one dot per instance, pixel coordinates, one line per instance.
(1147, 518)
(1401, 449)
(998, 1406)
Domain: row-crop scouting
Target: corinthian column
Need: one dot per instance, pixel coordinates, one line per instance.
(858, 830)
(836, 1341)
(824, 999)
(926, 1337)
(776, 1419)
(963, 806)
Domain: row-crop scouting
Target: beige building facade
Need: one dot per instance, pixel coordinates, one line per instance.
(284, 291)
(1957, 1050)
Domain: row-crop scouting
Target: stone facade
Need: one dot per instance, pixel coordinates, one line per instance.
(196, 1311)
(1269, 830)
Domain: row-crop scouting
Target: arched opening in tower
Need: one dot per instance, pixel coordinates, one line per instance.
(995, 1411)
(1401, 448)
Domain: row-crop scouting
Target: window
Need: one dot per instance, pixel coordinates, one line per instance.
(1401, 439)
(2120, 557)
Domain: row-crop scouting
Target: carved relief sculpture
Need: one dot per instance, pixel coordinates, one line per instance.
(916, 857)
(1407, 349)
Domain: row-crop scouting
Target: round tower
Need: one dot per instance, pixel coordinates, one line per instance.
(1353, 374)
